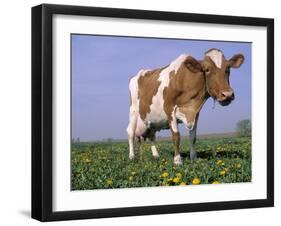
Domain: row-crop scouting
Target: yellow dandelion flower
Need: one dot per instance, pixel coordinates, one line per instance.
(222, 173)
(131, 178)
(219, 162)
(182, 183)
(165, 174)
(176, 180)
(216, 182)
(109, 181)
(178, 175)
(196, 181)
(133, 173)
(170, 180)
(238, 165)
(87, 160)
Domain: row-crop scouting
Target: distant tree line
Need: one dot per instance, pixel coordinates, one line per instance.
(77, 140)
(244, 128)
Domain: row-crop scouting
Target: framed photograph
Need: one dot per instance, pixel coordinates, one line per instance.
(146, 112)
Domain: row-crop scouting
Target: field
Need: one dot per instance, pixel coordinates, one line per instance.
(101, 165)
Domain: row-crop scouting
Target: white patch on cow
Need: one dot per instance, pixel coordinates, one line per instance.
(154, 151)
(174, 124)
(157, 113)
(216, 56)
(181, 116)
(177, 160)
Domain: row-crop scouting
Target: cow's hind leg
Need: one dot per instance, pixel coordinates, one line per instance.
(153, 146)
(131, 133)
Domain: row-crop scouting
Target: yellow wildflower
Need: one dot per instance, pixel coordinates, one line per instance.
(109, 181)
(219, 162)
(133, 173)
(131, 178)
(238, 165)
(170, 180)
(178, 175)
(196, 181)
(176, 180)
(182, 183)
(165, 174)
(222, 173)
(87, 160)
(216, 182)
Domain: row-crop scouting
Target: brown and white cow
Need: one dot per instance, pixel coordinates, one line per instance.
(163, 97)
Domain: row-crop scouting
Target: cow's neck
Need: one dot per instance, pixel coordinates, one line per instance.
(192, 97)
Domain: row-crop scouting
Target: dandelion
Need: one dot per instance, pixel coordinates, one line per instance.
(165, 174)
(238, 165)
(170, 180)
(87, 160)
(176, 180)
(219, 162)
(196, 181)
(216, 182)
(133, 173)
(178, 175)
(182, 183)
(131, 178)
(109, 181)
(222, 173)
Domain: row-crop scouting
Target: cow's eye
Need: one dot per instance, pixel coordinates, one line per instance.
(207, 71)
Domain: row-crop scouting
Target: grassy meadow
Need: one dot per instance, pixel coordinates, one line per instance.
(102, 165)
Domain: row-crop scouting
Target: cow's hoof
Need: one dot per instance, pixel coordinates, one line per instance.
(178, 160)
(155, 153)
(131, 156)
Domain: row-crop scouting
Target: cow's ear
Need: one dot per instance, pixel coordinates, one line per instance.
(236, 61)
(192, 64)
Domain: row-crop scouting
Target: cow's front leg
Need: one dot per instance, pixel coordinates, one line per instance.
(192, 140)
(176, 140)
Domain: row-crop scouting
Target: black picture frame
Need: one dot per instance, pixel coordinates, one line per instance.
(42, 111)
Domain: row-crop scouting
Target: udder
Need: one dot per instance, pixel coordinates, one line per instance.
(140, 128)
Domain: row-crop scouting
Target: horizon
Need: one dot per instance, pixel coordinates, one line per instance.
(102, 66)
(199, 136)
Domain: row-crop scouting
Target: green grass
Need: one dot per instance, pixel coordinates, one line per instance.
(106, 165)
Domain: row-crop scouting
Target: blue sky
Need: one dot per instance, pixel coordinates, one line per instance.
(102, 66)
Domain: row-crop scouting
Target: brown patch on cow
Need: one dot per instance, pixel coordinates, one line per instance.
(176, 142)
(186, 89)
(148, 85)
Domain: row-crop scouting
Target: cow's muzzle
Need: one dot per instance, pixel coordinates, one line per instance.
(226, 97)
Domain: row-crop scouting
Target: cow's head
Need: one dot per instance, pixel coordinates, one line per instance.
(217, 70)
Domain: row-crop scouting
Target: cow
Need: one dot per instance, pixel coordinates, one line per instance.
(164, 97)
